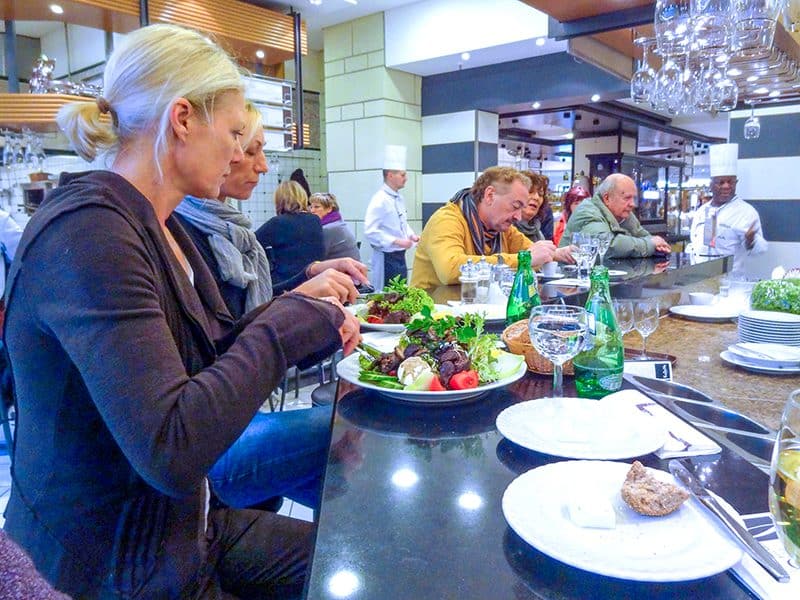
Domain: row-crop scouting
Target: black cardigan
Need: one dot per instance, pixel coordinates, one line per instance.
(296, 241)
(124, 399)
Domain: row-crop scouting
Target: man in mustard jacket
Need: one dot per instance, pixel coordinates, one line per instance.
(478, 222)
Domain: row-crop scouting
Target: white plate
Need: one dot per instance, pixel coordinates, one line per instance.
(556, 275)
(348, 370)
(616, 273)
(770, 316)
(682, 546)
(735, 359)
(570, 282)
(767, 354)
(710, 313)
(581, 428)
(359, 310)
(490, 312)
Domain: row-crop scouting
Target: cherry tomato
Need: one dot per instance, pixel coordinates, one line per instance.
(436, 385)
(464, 380)
(374, 319)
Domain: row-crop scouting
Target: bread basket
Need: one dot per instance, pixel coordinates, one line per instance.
(518, 340)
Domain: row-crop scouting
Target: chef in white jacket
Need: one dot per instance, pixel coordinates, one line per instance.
(386, 224)
(10, 233)
(727, 225)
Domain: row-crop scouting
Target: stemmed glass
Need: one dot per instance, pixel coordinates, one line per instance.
(642, 79)
(584, 251)
(603, 243)
(752, 127)
(645, 316)
(558, 332)
(784, 476)
(623, 311)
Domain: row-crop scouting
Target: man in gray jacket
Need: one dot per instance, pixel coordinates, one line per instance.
(611, 210)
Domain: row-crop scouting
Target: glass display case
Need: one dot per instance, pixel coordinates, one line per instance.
(656, 181)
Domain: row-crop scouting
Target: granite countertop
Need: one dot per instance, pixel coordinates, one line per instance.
(697, 347)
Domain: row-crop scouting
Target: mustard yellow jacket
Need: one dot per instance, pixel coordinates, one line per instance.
(445, 245)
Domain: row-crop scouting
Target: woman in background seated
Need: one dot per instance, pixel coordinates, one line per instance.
(530, 224)
(569, 203)
(131, 377)
(294, 234)
(282, 453)
(339, 239)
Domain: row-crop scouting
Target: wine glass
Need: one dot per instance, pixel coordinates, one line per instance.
(752, 127)
(623, 311)
(784, 475)
(557, 332)
(603, 243)
(645, 318)
(642, 80)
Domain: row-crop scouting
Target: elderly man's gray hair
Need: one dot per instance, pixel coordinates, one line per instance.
(609, 184)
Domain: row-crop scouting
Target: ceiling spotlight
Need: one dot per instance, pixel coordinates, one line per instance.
(353, 2)
(735, 72)
(260, 54)
(536, 105)
(752, 78)
(56, 9)
(315, 2)
(774, 94)
(465, 56)
(761, 90)
(595, 97)
(540, 41)
(570, 135)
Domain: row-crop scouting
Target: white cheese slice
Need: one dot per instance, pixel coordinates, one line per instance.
(596, 513)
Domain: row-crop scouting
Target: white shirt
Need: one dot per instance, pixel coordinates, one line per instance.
(386, 220)
(10, 233)
(733, 219)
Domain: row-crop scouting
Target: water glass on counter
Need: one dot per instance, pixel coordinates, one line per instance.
(645, 320)
(623, 310)
(558, 333)
(784, 493)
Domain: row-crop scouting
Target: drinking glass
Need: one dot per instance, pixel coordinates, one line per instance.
(784, 479)
(557, 332)
(752, 127)
(623, 311)
(645, 317)
(642, 80)
(603, 243)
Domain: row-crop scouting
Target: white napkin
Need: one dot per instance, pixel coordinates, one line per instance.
(682, 439)
(570, 281)
(762, 583)
(385, 341)
(769, 351)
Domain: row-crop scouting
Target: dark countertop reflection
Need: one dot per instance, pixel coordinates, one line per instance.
(412, 507)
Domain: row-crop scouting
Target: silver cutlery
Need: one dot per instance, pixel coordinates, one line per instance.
(667, 388)
(747, 541)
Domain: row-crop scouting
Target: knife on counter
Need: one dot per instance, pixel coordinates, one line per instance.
(751, 545)
(667, 388)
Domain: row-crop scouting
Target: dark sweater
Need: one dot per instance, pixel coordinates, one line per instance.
(124, 398)
(296, 241)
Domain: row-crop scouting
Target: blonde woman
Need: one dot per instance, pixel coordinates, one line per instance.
(337, 235)
(131, 378)
(293, 234)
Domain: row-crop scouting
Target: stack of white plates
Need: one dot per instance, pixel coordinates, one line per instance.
(764, 358)
(761, 326)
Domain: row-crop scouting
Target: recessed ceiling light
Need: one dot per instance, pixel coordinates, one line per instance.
(315, 2)
(55, 8)
(570, 135)
(774, 94)
(752, 78)
(540, 41)
(465, 56)
(351, 1)
(536, 105)
(260, 54)
(595, 97)
(734, 72)
(761, 90)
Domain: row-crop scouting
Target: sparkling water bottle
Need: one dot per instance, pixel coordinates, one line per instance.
(598, 367)
(524, 293)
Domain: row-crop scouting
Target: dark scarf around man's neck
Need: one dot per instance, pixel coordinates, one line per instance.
(486, 241)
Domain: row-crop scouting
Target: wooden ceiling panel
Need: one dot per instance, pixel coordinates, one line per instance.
(570, 10)
(121, 16)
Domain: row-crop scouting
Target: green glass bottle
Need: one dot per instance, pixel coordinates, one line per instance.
(524, 294)
(598, 367)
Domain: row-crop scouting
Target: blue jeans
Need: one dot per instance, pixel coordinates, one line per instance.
(279, 454)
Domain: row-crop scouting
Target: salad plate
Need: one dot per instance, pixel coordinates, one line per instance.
(756, 367)
(490, 312)
(349, 370)
(710, 313)
(359, 310)
(681, 546)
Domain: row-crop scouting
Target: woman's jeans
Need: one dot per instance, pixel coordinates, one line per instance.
(279, 454)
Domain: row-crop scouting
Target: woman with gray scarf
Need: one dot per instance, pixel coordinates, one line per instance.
(279, 454)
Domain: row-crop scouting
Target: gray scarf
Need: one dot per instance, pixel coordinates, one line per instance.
(241, 259)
